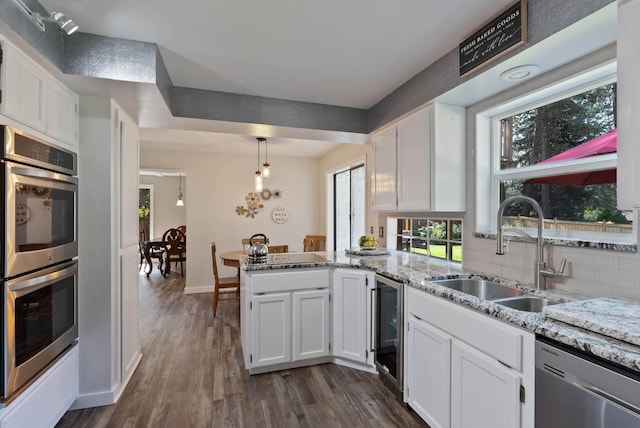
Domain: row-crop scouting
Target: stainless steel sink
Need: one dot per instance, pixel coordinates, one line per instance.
(483, 289)
(526, 303)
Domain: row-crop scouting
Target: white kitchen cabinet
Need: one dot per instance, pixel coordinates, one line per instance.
(62, 114)
(429, 361)
(32, 97)
(311, 324)
(23, 88)
(286, 318)
(271, 326)
(352, 314)
(484, 392)
(419, 163)
(628, 104)
(466, 369)
(384, 170)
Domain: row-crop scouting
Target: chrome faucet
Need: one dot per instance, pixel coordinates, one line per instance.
(542, 272)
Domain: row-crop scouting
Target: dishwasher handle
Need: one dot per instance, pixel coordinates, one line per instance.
(609, 397)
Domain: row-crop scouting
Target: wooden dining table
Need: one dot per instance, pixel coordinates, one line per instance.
(232, 258)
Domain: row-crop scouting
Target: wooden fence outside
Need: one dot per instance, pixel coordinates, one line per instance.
(532, 222)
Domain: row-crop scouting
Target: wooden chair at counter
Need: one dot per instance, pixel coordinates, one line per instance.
(276, 249)
(175, 246)
(222, 283)
(314, 243)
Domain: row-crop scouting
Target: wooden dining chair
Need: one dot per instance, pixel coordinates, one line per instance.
(314, 243)
(222, 283)
(276, 249)
(174, 243)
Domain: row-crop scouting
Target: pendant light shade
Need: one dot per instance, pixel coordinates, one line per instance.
(266, 168)
(180, 202)
(258, 177)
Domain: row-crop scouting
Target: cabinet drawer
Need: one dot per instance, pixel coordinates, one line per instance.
(488, 335)
(292, 280)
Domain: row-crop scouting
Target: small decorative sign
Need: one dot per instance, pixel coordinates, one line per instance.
(502, 34)
(280, 215)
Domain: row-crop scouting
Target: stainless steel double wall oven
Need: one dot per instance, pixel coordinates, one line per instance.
(39, 257)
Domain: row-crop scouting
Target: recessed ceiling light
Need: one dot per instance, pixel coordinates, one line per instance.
(519, 73)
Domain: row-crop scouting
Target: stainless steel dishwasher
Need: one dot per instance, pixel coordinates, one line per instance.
(574, 390)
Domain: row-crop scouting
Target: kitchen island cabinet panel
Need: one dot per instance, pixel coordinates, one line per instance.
(271, 324)
(351, 314)
(311, 326)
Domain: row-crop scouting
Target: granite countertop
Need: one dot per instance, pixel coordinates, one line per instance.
(417, 271)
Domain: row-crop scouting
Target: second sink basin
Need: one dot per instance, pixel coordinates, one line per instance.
(481, 288)
(526, 303)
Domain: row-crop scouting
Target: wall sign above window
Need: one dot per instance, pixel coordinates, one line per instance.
(502, 34)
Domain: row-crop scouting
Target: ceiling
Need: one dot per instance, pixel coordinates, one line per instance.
(345, 53)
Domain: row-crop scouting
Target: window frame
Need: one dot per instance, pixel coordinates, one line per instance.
(487, 148)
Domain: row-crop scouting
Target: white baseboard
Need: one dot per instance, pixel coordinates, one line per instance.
(198, 289)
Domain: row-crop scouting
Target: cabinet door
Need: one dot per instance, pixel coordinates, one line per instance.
(428, 359)
(414, 171)
(310, 324)
(350, 315)
(384, 171)
(484, 393)
(62, 114)
(24, 89)
(271, 329)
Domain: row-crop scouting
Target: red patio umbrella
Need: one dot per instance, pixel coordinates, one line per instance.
(605, 143)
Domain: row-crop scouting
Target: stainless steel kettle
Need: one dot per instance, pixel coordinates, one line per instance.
(258, 249)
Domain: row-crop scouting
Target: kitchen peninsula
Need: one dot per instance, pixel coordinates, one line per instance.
(288, 319)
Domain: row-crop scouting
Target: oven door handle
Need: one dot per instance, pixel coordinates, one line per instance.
(374, 320)
(38, 280)
(40, 173)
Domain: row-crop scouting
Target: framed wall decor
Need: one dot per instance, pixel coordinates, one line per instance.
(501, 35)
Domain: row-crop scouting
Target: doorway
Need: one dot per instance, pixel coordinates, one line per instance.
(349, 206)
(145, 206)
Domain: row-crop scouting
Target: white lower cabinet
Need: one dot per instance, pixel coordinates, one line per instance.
(271, 326)
(465, 369)
(311, 326)
(484, 393)
(287, 317)
(428, 386)
(351, 314)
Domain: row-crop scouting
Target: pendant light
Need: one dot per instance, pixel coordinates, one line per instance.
(258, 178)
(180, 202)
(266, 168)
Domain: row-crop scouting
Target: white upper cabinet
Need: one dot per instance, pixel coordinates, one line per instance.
(419, 163)
(23, 88)
(628, 104)
(62, 113)
(32, 97)
(384, 170)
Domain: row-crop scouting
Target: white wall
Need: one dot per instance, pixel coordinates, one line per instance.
(218, 183)
(165, 213)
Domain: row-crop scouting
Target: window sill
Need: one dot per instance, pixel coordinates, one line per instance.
(619, 242)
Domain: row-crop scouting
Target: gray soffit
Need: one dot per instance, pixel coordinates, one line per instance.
(131, 61)
(545, 18)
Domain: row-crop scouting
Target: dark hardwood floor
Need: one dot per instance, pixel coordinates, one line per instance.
(192, 375)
